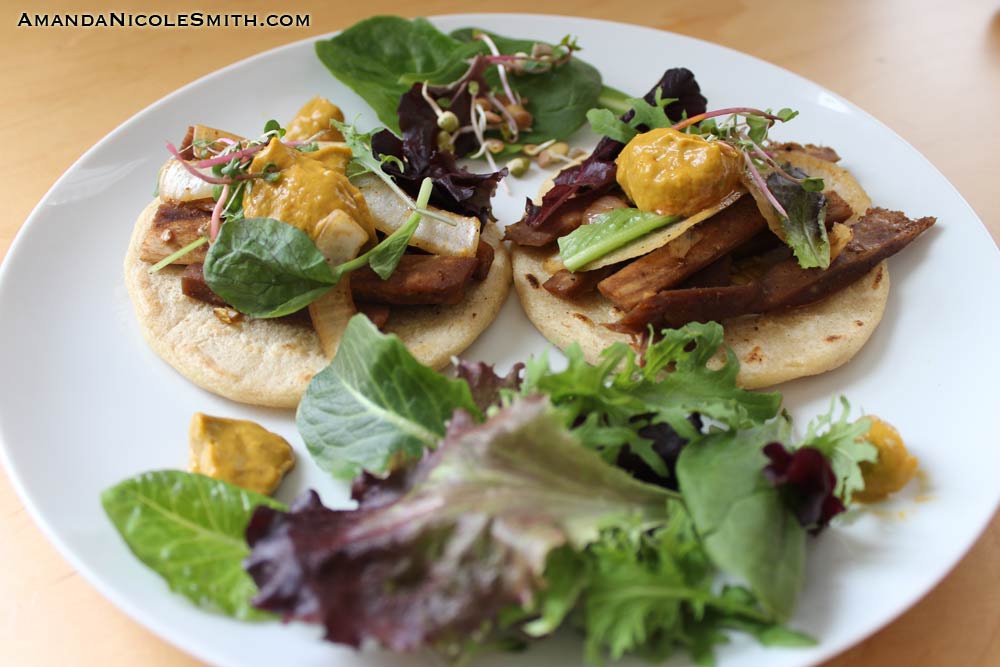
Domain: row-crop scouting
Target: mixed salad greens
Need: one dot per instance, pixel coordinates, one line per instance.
(492, 510)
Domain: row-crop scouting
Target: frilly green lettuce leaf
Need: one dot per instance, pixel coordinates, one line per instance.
(609, 403)
(844, 445)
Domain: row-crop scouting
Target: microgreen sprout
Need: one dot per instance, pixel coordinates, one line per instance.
(220, 205)
(507, 115)
(479, 123)
(519, 166)
(446, 120)
(542, 58)
(501, 68)
(173, 257)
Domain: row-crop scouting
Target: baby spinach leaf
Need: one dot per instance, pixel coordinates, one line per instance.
(373, 58)
(607, 232)
(375, 406)
(746, 528)
(189, 529)
(266, 268)
(805, 228)
(382, 57)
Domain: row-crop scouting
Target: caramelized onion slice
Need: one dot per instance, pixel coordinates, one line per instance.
(177, 184)
(436, 237)
(340, 239)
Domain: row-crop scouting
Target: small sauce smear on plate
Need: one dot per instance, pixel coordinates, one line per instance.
(894, 468)
(240, 452)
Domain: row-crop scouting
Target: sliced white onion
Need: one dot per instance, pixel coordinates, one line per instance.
(389, 212)
(178, 184)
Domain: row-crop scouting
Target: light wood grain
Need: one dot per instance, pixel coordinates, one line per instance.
(929, 70)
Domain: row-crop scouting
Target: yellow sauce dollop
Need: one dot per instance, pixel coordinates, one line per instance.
(668, 172)
(312, 122)
(239, 452)
(306, 191)
(894, 468)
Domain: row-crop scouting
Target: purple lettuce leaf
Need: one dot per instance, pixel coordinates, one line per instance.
(485, 383)
(433, 553)
(455, 188)
(667, 444)
(807, 482)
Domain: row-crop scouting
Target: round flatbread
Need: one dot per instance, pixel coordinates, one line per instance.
(772, 348)
(270, 362)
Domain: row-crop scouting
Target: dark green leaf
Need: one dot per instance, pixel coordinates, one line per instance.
(693, 387)
(189, 529)
(805, 228)
(274, 126)
(746, 528)
(645, 117)
(371, 56)
(813, 184)
(787, 114)
(757, 127)
(266, 268)
(375, 406)
(650, 116)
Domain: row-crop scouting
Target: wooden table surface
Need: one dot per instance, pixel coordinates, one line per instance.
(929, 70)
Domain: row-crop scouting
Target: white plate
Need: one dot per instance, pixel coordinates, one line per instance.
(85, 404)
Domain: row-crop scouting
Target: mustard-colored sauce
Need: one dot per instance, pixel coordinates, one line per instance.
(895, 466)
(312, 122)
(332, 156)
(668, 172)
(306, 190)
(239, 452)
